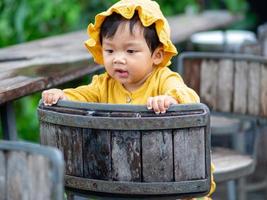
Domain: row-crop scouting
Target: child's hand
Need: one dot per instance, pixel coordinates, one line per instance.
(160, 103)
(52, 96)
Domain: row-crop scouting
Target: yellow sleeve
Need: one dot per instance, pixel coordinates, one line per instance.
(213, 184)
(85, 93)
(174, 86)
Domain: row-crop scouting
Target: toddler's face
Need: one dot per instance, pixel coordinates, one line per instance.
(127, 57)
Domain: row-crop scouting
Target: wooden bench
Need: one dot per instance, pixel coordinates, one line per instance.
(30, 171)
(41, 64)
(129, 151)
(233, 85)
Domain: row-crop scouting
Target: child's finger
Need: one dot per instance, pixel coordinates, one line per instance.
(161, 102)
(45, 97)
(50, 98)
(155, 105)
(149, 103)
(167, 103)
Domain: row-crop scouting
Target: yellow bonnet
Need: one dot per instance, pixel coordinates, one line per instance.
(149, 12)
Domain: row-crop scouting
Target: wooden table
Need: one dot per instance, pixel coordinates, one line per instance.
(41, 64)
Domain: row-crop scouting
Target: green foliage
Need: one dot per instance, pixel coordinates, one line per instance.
(172, 7)
(26, 117)
(235, 6)
(26, 20)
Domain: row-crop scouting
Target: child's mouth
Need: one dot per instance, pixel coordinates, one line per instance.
(122, 73)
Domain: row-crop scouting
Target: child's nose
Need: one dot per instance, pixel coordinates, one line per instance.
(119, 59)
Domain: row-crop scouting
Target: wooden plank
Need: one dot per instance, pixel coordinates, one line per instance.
(189, 154)
(225, 85)
(97, 159)
(208, 81)
(263, 102)
(39, 172)
(44, 77)
(191, 74)
(70, 143)
(2, 176)
(48, 134)
(157, 156)
(208, 20)
(240, 87)
(17, 176)
(254, 75)
(126, 159)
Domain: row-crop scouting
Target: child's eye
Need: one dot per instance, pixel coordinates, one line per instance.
(109, 50)
(131, 51)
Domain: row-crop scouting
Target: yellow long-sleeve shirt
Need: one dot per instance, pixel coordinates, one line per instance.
(105, 89)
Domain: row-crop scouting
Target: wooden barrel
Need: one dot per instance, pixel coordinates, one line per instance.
(128, 150)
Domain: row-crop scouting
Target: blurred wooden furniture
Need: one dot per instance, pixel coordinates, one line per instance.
(30, 171)
(260, 46)
(128, 151)
(38, 65)
(235, 86)
(262, 34)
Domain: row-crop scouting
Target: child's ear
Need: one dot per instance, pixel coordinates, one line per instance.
(158, 55)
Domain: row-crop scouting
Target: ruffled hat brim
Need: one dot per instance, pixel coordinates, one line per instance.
(149, 13)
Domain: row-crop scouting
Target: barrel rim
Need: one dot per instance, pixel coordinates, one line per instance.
(198, 187)
(121, 107)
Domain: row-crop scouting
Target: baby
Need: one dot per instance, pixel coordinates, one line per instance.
(132, 42)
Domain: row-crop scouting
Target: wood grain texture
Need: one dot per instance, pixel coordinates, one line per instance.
(208, 82)
(70, 143)
(17, 176)
(157, 156)
(191, 74)
(225, 85)
(263, 102)
(126, 156)
(97, 154)
(189, 154)
(48, 134)
(40, 184)
(254, 77)
(240, 87)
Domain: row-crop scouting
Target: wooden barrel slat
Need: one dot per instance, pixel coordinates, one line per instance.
(208, 82)
(254, 78)
(157, 156)
(189, 151)
(225, 85)
(126, 156)
(2, 176)
(97, 154)
(240, 90)
(17, 176)
(70, 143)
(263, 90)
(48, 135)
(39, 185)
